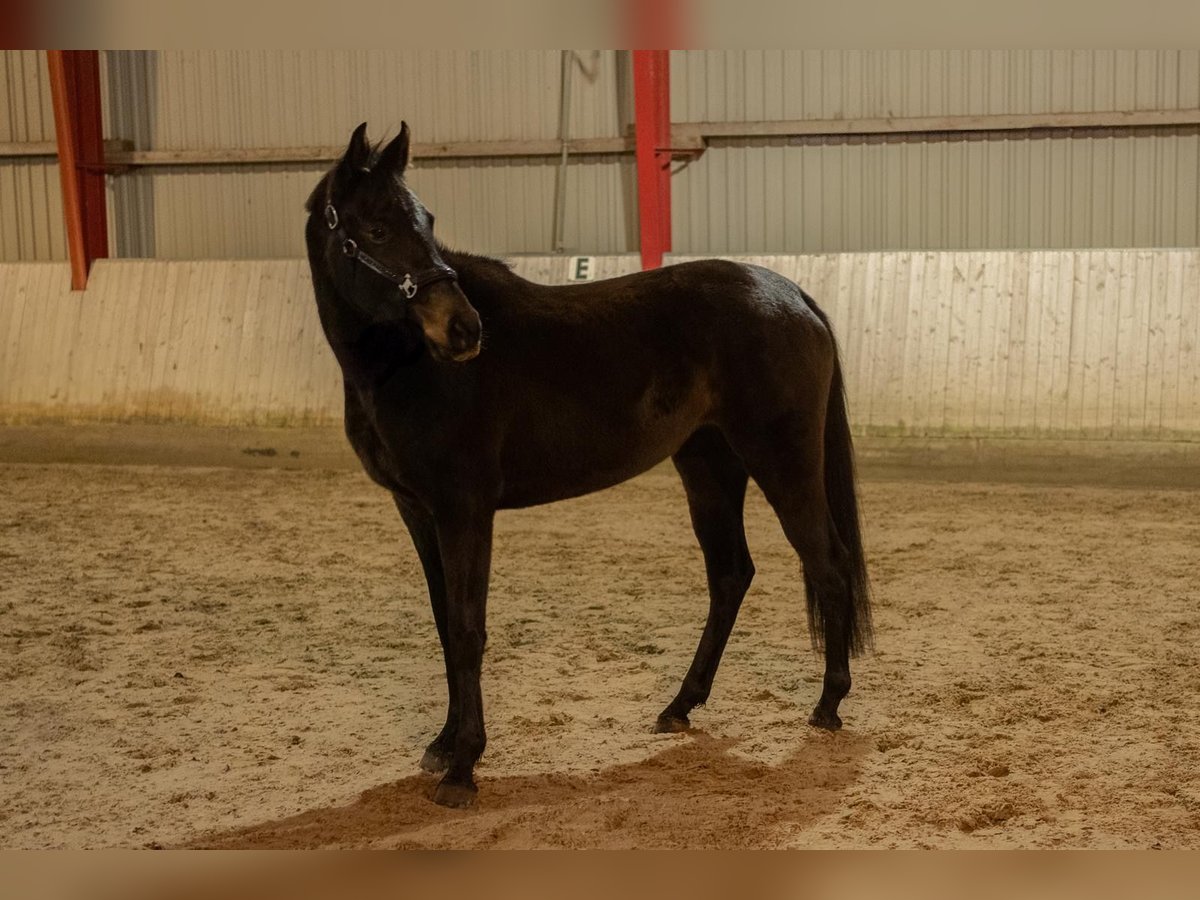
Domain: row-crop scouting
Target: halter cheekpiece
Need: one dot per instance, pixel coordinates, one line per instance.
(408, 284)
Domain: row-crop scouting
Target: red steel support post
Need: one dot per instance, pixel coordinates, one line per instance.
(662, 150)
(652, 114)
(75, 86)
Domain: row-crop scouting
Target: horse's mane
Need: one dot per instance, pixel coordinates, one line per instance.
(484, 277)
(477, 262)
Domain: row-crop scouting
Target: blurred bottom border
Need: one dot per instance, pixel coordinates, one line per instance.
(698, 875)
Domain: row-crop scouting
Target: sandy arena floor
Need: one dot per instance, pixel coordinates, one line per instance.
(240, 657)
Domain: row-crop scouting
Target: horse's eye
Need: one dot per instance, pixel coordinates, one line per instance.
(378, 234)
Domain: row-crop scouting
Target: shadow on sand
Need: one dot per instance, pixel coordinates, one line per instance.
(696, 793)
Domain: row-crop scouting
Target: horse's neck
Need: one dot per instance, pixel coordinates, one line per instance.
(368, 352)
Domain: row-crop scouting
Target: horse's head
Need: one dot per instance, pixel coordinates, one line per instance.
(374, 240)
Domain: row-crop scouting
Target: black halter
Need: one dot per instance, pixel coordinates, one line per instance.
(407, 283)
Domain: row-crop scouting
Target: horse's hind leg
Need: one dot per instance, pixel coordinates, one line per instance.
(788, 466)
(424, 538)
(715, 481)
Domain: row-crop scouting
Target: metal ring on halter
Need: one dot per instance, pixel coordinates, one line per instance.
(350, 247)
(331, 216)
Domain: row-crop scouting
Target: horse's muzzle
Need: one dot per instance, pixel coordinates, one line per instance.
(463, 337)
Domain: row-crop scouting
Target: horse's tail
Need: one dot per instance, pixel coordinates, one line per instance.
(842, 497)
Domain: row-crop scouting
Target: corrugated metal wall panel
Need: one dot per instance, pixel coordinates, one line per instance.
(31, 222)
(818, 195)
(245, 99)
(286, 98)
(751, 85)
(498, 208)
(1094, 189)
(1110, 190)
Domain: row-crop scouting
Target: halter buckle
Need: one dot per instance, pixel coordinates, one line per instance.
(331, 216)
(408, 286)
(350, 248)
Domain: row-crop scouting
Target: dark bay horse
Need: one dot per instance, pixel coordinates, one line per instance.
(469, 389)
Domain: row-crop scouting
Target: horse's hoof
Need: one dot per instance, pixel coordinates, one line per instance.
(827, 720)
(671, 725)
(455, 795)
(434, 762)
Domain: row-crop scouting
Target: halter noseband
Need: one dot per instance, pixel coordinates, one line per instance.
(408, 284)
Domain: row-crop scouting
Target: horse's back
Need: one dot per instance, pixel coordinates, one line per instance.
(733, 302)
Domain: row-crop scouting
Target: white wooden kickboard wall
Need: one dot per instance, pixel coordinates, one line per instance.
(1087, 344)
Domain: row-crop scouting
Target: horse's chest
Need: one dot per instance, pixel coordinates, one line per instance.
(374, 457)
(378, 461)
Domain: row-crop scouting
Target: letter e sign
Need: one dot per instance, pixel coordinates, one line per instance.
(581, 268)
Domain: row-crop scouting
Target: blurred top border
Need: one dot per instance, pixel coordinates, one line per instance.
(530, 24)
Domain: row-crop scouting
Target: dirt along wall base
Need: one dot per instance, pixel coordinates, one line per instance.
(1158, 464)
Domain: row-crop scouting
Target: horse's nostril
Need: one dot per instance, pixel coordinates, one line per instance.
(464, 335)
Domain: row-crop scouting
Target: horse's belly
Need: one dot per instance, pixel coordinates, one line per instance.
(562, 450)
(581, 466)
(518, 494)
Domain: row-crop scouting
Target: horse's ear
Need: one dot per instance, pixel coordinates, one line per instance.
(394, 158)
(358, 151)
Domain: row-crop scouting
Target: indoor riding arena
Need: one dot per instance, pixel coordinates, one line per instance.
(216, 629)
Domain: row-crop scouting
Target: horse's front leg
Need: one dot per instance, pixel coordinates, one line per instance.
(465, 539)
(424, 537)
